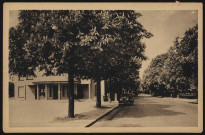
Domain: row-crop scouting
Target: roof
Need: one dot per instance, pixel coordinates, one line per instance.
(51, 79)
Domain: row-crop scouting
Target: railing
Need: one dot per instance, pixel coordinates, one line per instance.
(192, 94)
(189, 94)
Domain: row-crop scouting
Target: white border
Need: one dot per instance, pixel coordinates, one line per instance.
(99, 6)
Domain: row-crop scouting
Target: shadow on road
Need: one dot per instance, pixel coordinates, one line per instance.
(144, 110)
(83, 116)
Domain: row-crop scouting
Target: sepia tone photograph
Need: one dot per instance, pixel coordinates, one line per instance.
(99, 67)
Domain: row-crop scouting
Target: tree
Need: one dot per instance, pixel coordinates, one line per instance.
(128, 47)
(154, 75)
(17, 54)
(179, 68)
(117, 46)
(188, 55)
(154, 71)
(52, 39)
(172, 67)
(82, 43)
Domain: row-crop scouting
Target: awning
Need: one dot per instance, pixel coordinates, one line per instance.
(52, 80)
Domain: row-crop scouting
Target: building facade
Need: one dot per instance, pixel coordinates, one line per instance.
(53, 88)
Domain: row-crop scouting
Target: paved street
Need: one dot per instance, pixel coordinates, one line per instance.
(150, 111)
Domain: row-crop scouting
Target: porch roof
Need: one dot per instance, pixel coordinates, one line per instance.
(50, 82)
(52, 79)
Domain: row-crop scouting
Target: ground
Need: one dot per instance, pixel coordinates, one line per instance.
(147, 111)
(150, 111)
(53, 113)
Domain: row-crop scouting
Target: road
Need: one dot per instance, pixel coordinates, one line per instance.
(150, 111)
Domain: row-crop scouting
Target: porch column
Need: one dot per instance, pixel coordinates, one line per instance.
(59, 91)
(115, 96)
(109, 99)
(105, 98)
(89, 91)
(75, 89)
(46, 91)
(102, 86)
(25, 93)
(37, 92)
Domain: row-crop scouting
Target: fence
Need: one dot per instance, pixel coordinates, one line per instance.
(189, 94)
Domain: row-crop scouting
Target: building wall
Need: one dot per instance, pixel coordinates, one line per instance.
(102, 85)
(92, 89)
(23, 84)
(30, 92)
(29, 89)
(85, 81)
(62, 86)
(18, 94)
(24, 92)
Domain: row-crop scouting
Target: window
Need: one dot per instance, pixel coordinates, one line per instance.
(21, 92)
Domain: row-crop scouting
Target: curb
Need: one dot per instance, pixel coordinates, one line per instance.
(101, 116)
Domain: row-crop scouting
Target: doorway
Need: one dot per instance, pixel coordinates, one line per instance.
(82, 91)
(35, 93)
(55, 91)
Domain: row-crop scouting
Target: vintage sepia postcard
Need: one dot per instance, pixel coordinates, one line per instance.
(102, 67)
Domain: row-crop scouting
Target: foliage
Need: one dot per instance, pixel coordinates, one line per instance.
(154, 72)
(178, 68)
(128, 51)
(117, 48)
(95, 44)
(188, 56)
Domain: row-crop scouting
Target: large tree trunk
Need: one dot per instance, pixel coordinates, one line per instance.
(71, 84)
(71, 95)
(98, 101)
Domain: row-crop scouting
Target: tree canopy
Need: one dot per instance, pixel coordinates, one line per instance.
(178, 66)
(95, 44)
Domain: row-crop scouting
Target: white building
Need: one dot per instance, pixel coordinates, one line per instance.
(53, 88)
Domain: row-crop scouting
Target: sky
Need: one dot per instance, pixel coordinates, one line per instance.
(165, 25)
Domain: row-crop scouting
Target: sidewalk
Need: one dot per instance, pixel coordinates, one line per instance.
(194, 101)
(53, 113)
(84, 118)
